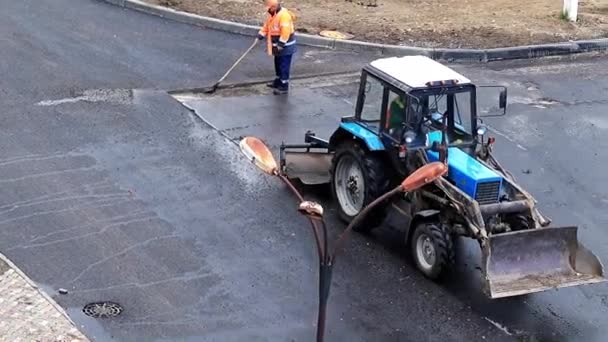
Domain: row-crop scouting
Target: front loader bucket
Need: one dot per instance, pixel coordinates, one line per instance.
(535, 260)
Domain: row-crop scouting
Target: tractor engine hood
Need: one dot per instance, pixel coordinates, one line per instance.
(468, 174)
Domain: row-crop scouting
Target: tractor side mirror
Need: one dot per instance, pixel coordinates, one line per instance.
(502, 99)
(486, 95)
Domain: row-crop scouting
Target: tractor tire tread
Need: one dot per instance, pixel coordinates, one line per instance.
(376, 181)
(444, 245)
(518, 222)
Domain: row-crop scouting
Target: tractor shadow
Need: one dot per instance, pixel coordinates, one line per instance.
(391, 240)
(464, 281)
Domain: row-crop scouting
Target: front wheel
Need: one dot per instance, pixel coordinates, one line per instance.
(518, 222)
(432, 249)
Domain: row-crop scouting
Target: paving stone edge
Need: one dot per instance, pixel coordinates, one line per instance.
(33, 284)
(450, 55)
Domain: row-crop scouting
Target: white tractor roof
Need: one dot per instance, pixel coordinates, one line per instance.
(416, 71)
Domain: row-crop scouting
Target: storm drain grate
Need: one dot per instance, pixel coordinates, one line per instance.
(102, 309)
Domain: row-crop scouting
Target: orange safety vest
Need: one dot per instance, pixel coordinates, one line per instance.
(279, 29)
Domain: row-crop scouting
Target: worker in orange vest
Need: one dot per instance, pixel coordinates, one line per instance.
(279, 30)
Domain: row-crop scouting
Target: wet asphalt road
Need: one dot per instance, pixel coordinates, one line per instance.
(115, 191)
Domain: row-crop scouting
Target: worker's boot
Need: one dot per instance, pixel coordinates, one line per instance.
(282, 89)
(274, 84)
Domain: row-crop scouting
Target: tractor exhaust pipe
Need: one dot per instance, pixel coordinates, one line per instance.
(535, 260)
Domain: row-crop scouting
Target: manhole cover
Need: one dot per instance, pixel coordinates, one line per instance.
(335, 35)
(102, 309)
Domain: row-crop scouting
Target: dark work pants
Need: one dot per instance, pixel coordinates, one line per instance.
(282, 67)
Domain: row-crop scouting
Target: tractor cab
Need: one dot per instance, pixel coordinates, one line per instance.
(405, 99)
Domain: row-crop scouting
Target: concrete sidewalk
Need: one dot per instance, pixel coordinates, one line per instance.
(28, 314)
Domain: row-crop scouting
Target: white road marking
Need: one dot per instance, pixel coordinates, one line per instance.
(499, 326)
(48, 103)
(121, 96)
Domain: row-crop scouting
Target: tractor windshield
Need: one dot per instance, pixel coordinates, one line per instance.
(409, 115)
(454, 105)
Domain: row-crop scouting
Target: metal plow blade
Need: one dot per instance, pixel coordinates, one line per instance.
(311, 168)
(535, 260)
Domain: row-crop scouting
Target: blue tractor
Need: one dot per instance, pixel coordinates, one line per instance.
(411, 111)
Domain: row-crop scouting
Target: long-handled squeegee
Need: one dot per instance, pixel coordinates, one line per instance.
(213, 88)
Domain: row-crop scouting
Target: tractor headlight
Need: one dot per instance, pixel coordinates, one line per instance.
(409, 137)
(481, 130)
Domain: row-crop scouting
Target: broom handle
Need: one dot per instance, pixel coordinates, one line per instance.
(255, 42)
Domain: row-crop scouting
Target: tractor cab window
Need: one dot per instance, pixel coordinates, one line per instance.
(372, 92)
(404, 113)
(462, 112)
(456, 105)
(395, 113)
(438, 105)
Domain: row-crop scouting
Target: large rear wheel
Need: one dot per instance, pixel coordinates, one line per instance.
(358, 178)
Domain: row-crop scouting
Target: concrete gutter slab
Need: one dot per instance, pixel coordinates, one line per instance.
(275, 119)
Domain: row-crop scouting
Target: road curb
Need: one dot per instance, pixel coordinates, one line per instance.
(451, 55)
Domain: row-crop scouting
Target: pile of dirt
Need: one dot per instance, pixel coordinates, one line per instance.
(424, 23)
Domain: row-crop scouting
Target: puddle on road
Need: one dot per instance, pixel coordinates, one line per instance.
(252, 181)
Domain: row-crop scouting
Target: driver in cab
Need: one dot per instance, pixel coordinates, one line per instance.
(401, 119)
